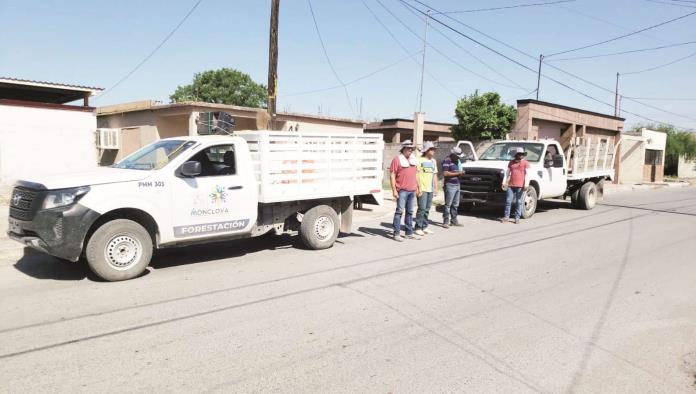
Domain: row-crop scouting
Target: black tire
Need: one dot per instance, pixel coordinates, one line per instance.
(600, 190)
(587, 198)
(574, 196)
(119, 250)
(530, 200)
(319, 228)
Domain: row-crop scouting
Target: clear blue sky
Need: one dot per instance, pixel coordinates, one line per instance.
(97, 42)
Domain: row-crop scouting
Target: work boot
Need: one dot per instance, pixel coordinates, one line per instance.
(503, 220)
(420, 232)
(398, 238)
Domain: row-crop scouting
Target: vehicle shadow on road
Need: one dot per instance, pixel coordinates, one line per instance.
(42, 266)
(494, 213)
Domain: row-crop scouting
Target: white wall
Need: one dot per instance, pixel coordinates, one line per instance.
(40, 141)
(321, 127)
(687, 168)
(655, 140)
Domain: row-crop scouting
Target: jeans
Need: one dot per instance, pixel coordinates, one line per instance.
(514, 193)
(449, 213)
(404, 203)
(425, 201)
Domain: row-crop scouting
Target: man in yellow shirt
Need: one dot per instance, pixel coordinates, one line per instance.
(427, 182)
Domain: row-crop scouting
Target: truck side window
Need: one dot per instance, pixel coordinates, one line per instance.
(217, 160)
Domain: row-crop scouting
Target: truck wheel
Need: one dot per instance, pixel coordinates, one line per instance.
(600, 190)
(319, 228)
(574, 196)
(120, 249)
(587, 197)
(530, 203)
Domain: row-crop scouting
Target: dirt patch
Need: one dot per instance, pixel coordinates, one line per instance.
(689, 366)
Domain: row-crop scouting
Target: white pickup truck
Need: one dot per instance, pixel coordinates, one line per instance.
(187, 190)
(552, 174)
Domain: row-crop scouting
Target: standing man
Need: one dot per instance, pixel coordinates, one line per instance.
(427, 184)
(451, 173)
(516, 182)
(404, 189)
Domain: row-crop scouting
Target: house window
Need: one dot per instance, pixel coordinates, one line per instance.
(653, 157)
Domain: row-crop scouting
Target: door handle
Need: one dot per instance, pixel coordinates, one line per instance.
(235, 187)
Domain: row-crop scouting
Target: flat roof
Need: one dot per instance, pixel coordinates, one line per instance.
(150, 105)
(42, 91)
(393, 120)
(559, 106)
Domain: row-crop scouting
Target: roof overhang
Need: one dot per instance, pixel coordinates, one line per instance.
(43, 92)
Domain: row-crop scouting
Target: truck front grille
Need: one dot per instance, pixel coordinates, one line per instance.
(481, 180)
(22, 204)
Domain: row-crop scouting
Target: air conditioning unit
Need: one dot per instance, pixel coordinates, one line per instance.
(109, 138)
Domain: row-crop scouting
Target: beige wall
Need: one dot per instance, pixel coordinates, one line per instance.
(687, 168)
(318, 125)
(632, 153)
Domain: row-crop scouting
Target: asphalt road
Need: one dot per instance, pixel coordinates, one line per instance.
(581, 301)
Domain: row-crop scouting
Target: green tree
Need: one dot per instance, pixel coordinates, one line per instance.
(223, 86)
(483, 117)
(679, 144)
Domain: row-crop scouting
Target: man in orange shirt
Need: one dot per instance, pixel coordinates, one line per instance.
(516, 183)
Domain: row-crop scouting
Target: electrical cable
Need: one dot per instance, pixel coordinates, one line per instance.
(660, 66)
(443, 54)
(672, 4)
(535, 71)
(623, 35)
(328, 59)
(157, 48)
(623, 52)
(507, 7)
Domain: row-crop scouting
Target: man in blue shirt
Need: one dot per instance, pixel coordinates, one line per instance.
(451, 172)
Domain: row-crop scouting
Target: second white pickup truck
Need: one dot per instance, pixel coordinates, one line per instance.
(187, 190)
(552, 174)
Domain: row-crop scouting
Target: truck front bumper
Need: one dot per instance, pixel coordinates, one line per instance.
(482, 198)
(59, 232)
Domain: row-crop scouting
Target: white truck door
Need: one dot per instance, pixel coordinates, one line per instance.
(555, 174)
(220, 200)
(467, 150)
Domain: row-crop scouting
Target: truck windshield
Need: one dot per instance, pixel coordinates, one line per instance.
(154, 156)
(506, 151)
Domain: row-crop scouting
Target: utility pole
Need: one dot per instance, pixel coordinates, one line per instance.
(541, 59)
(425, 45)
(273, 63)
(616, 96)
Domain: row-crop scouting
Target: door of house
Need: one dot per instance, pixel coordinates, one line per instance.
(653, 158)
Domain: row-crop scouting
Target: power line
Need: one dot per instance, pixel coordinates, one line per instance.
(368, 75)
(404, 48)
(545, 76)
(166, 38)
(507, 7)
(623, 35)
(672, 4)
(661, 98)
(623, 52)
(660, 66)
(443, 54)
(328, 59)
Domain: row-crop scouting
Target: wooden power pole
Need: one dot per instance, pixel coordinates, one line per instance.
(273, 63)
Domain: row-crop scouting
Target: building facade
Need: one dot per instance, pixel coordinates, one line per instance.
(397, 130)
(142, 122)
(40, 133)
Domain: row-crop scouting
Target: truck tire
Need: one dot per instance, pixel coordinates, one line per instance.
(587, 198)
(319, 227)
(119, 250)
(600, 190)
(530, 203)
(574, 196)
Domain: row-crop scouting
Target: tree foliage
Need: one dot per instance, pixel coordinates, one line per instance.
(483, 117)
(223, 86)
(679, 144)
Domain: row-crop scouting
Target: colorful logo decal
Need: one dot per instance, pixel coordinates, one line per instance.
(218, 195)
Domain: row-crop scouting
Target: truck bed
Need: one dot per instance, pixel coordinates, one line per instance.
(291, 166)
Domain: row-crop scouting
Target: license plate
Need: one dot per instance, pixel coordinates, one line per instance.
(15, 227)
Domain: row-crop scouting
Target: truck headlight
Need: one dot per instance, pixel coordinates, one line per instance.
(64, 197)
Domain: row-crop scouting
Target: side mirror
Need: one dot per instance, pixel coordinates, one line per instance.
(558, 161)
(191, 169)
